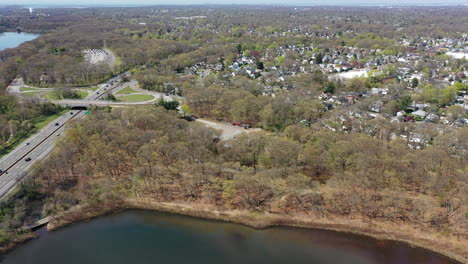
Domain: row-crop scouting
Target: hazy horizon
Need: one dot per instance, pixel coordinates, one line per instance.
(235, 2)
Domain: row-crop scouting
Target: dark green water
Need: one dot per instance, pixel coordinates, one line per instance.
(13, 39)
(139, 237)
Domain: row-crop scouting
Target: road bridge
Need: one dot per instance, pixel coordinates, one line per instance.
(84, 103)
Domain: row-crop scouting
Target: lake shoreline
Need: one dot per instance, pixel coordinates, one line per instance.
(13, 39)
(261, 220)
(21, 239)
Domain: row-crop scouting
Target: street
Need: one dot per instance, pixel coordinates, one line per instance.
(14, 165)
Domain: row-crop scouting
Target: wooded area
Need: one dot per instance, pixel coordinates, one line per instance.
(389, 144)
(153, 153)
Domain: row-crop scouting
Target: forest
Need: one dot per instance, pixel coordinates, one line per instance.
(328, 147)
(19, 119)
(151, 152)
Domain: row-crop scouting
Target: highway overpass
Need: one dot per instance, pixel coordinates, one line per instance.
(84, 103)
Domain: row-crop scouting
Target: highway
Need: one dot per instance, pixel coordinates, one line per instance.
(114, 85)
(14, 165)
(36, 147)
(106, 87)
(86, 103)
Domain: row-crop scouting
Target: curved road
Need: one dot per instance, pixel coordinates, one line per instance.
(14, 165)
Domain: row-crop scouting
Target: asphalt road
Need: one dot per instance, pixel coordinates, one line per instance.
(106, 87)
(14, 166)
(112, 86)
(36, 147)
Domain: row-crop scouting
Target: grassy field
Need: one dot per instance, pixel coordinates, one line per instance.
(82, 94)
(92, 88)
(30, 94)
(50, 95)
(24, 89)
(135, 98)
(53, 95)
(126, 90)
(43, 121)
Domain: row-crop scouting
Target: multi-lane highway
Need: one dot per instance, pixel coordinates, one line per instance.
(106, 87)
(15, 165)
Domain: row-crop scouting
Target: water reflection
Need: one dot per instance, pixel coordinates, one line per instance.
(150, 237)
(14, 39)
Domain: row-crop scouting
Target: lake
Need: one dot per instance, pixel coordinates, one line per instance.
(13, 39)
(141, 237)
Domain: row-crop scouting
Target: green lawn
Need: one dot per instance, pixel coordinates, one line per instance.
(126, 90)
(92, 88)
(135, 98)
(53, 96)
(44, 120)
(50, 95)
(82, 94)
(23, 89)
(30, 94)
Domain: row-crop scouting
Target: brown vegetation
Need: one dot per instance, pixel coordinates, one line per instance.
(153, 154)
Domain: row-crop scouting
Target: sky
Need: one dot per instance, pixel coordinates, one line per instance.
(257, 2)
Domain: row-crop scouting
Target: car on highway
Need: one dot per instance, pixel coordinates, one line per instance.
(58, 134)
(71, 113)
(27, 144)
(27, 159)
(56, 124)
(1, 171)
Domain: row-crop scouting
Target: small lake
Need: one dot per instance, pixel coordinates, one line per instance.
(13, 39)
(141, 237)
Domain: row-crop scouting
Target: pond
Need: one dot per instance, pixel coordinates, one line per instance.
(14, 39)
(141, 237)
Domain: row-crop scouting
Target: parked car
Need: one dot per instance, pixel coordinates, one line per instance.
(189, 118)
